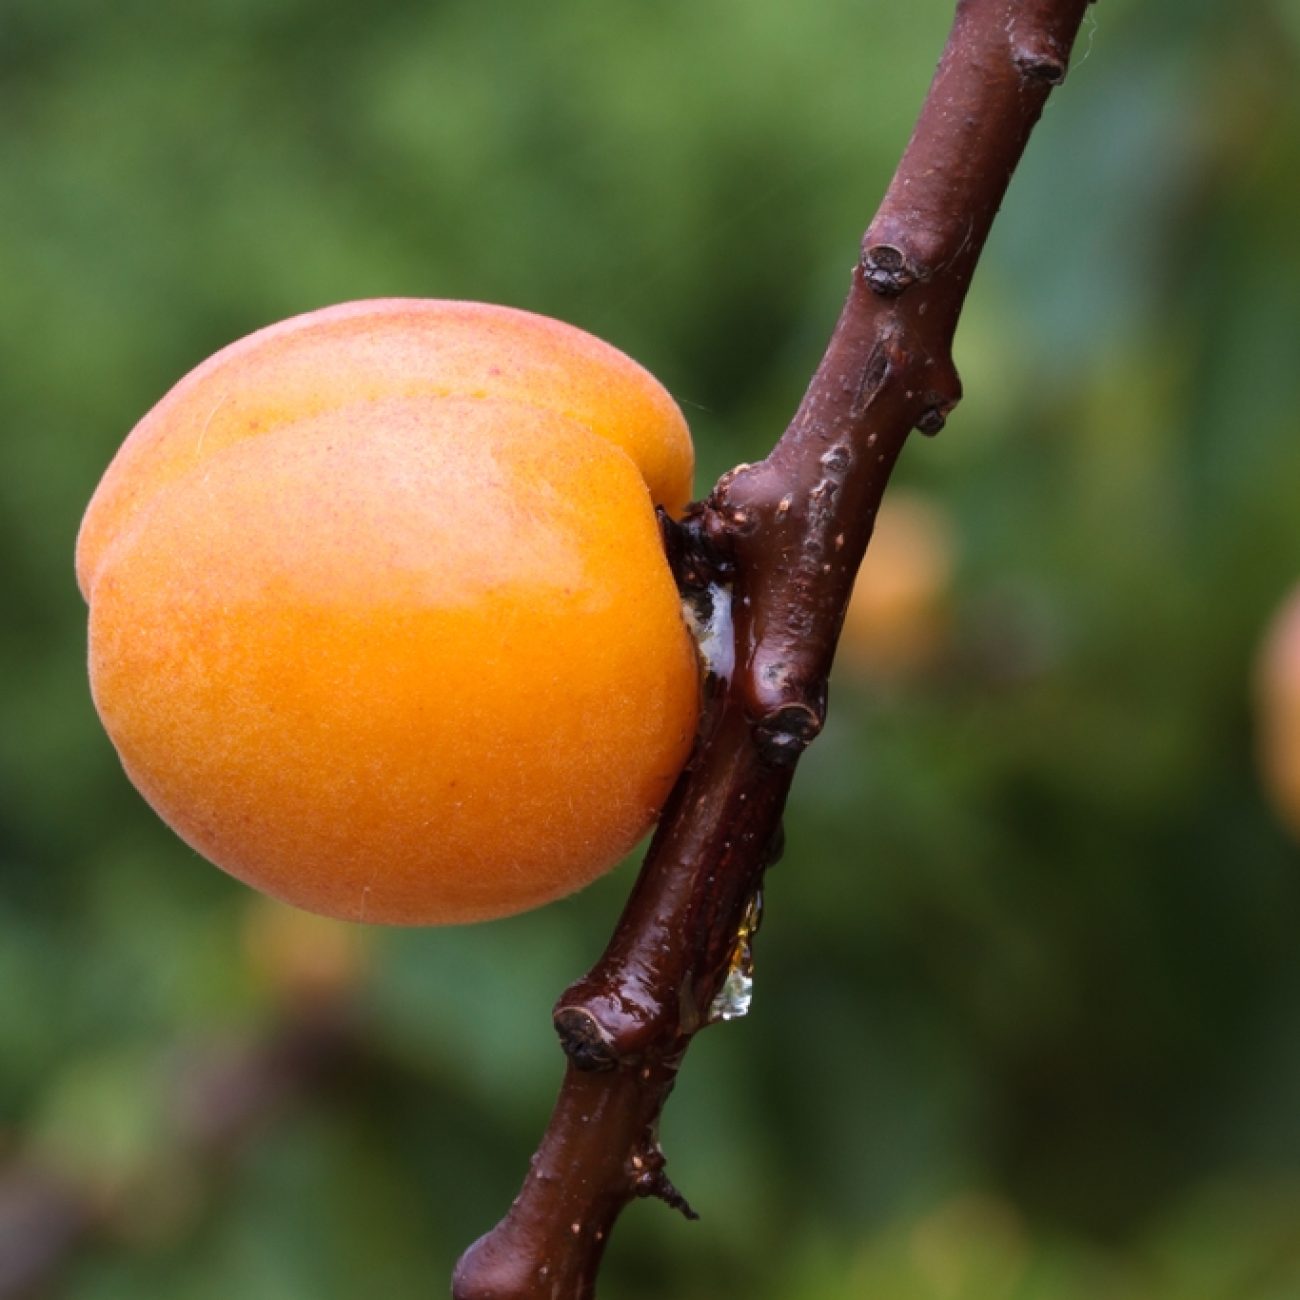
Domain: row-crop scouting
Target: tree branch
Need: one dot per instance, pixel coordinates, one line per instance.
(768, 563)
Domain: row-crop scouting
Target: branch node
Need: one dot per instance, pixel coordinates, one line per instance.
(786, 732)
(1040, 63)
(837, 459)
(940, 397)
(584, 1040)
(931, 420)
(887, 270)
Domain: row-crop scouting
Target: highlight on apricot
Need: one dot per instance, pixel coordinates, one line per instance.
(380, 619)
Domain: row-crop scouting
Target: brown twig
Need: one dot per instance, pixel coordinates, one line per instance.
(769, 561)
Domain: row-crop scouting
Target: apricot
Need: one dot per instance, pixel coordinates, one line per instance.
(897, 621)
(301, 960)
(380, 619)
(1277, 699)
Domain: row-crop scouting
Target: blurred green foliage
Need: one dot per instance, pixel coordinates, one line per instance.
(1027, 1015)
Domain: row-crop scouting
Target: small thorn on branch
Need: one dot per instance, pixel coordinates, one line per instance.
(671, 1197)
(652, 1181)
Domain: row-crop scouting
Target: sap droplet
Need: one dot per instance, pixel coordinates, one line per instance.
(737, 992)
(709, 618)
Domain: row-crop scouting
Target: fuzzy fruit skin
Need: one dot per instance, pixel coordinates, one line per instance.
(380, 620)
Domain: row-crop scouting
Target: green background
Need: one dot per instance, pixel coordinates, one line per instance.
(1027, 1012)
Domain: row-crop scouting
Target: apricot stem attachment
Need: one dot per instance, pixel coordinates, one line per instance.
(782, 541)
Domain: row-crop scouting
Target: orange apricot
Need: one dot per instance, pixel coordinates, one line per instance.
(1277, 701)
(897, 620)
(380, 621)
